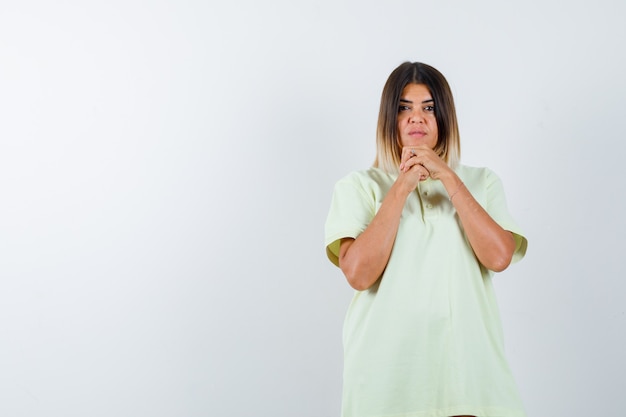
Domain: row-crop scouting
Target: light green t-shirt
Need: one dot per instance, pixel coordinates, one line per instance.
(425, 340)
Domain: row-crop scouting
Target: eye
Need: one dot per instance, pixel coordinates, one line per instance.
(403, 108)
(429, 109)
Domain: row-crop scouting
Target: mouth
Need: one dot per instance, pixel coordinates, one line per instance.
(417, 133)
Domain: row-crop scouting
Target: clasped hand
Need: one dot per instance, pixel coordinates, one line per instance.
(420, 162)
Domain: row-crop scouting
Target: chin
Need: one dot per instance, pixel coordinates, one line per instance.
(414, 143)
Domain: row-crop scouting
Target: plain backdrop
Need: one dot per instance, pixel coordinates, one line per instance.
(166, 168)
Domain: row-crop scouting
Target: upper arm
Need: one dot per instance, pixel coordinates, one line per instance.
(350, 212)
(495, 204)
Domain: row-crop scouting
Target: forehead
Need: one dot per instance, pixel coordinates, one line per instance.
(416, 91)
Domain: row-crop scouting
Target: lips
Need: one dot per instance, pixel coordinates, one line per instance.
(417, 133)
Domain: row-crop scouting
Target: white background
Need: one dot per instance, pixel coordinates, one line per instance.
(166, 168)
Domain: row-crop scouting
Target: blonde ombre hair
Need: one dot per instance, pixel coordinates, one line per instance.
(388, 146)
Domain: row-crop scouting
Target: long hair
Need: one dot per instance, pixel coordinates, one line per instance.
(388, 146)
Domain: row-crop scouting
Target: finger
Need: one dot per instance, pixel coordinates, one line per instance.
(403, 159)
(410, 163)
(422, 171)
(415, 167)
(407, 155)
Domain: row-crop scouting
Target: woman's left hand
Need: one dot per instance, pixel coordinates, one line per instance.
(492, 245)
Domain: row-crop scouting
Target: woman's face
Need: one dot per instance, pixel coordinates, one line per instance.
(416, 117)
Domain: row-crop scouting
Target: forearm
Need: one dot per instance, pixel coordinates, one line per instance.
(492, 245)
(364, 259)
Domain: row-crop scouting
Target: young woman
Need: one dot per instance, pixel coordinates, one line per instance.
(419, 237)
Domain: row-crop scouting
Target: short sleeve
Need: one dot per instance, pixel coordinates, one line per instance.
(497, 208)
(352, 208)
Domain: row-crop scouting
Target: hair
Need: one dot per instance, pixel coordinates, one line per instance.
(388, 145)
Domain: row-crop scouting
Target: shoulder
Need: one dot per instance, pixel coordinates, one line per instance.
(367, 179)
(482, 182)
(474, 172)
(477, 176)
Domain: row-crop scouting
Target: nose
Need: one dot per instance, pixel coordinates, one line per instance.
(416, 117)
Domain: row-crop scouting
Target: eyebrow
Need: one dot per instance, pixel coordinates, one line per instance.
(402, 100)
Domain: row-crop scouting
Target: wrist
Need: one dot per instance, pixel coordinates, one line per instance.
(450, 181)
(401, 189)
(453, 193)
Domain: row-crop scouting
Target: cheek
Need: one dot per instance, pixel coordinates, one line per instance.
(402, 121)
(433, 123)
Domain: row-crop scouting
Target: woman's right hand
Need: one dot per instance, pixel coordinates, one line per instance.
(364, 259)
(411, 172)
